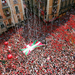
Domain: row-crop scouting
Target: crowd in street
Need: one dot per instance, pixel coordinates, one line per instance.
(57, 57)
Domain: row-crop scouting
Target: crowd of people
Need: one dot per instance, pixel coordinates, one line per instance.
(57, 57)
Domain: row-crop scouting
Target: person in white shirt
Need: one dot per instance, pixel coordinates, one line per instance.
(3, 1)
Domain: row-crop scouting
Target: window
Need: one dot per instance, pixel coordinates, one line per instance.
(55, 2)
(69, 2)
(19, 19)
(61, 5)
(15, 1)
(28, 4)
(72, 1)
(2, 25)
(65, 3)
(16, 8)
(1, 17)
(54, 10)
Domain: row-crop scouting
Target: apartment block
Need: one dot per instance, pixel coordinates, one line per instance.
(49, 10)
(11, 12)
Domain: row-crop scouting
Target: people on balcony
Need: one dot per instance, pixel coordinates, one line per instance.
(7, 13)
(4, 2)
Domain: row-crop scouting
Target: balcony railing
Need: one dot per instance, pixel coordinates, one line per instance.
(5, 18)
(4, 4)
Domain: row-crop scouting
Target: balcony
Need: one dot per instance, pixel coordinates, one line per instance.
(7, 12)
(4, 4)
(15, 1)
(10, 25)
(6, 8)
(5, 18)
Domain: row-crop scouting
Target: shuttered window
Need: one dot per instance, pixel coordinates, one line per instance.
(17, 10)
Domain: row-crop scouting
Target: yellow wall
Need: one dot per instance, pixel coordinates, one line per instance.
(50, 9)
(20, 10)
(5, 19)
(2, 14)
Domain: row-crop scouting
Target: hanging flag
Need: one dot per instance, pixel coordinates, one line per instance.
(26, 50)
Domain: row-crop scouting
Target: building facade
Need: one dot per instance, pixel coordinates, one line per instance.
(49, 9)
(11, 12)
(65, 6)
